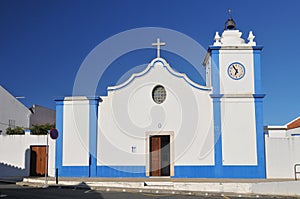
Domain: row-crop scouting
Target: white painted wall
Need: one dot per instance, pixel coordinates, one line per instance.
(278, 133)
(237, 108)
(238, 131)
(290, 132)
(76, 132)
(127, 114)
(244, 85)
(15, 154)
(12, 109)
(281, 156)
(282, 151)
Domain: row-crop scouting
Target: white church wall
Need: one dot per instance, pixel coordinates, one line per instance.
(195, 145)
(281, 156)
(244, 85)
(129, 113)
(15, 154)
(238, 131)
(76, 132)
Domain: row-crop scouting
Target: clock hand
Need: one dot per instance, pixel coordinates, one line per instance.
(236, 70)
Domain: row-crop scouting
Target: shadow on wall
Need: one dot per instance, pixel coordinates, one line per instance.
(8, 170)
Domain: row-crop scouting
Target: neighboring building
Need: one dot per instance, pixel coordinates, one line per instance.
(283, 150)
(41, 115)
(15, 114)
(23, 155)
(161, 123)
(12, 112)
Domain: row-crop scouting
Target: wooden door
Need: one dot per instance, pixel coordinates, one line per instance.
(165, 155)
(155, 156)
(160, 155)
(37, 160)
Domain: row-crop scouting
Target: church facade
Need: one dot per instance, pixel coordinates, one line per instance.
(161, 123)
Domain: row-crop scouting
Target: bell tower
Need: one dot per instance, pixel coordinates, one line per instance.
(233, 71)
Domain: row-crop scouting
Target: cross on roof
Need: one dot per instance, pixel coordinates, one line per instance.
(158, 44)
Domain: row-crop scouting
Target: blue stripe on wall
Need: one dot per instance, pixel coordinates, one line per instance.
(217, 134)
(59, 140)
(93, 123)
(257, 71)
(215, 73)
(260, 137)
(258, 101)
(216, 96)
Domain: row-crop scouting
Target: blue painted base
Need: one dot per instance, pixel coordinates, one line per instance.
(179, 171)
(121, 171)
(73, 171)
(219, 172)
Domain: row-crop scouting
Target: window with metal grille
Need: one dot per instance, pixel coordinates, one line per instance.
(159, 94)
(11, 123)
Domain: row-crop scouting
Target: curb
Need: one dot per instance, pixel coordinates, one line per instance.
(236, 189)
(9, 181)
(151, 190)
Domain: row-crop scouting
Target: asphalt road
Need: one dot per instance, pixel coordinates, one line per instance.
(11, 191)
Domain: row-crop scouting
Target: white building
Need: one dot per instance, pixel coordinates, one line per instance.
(161, 123)
(23, 155)
(13, 112)
(41, 115)
(283, 150)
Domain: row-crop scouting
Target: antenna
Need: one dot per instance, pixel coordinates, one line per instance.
(229, 11)
(230, 23)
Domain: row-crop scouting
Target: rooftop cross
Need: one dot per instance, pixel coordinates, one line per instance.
(158, 44)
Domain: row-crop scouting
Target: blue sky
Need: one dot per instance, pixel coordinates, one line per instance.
(44, 42)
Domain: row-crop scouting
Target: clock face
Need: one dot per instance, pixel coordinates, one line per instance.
(236, 71)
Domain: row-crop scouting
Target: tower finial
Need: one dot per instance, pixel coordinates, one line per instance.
(230, 24)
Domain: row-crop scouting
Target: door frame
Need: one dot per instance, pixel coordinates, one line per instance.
(159, 133)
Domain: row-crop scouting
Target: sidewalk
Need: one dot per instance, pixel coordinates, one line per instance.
(11, 180)
(176, 185)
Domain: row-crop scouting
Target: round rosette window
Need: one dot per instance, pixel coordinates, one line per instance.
(159, 94)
